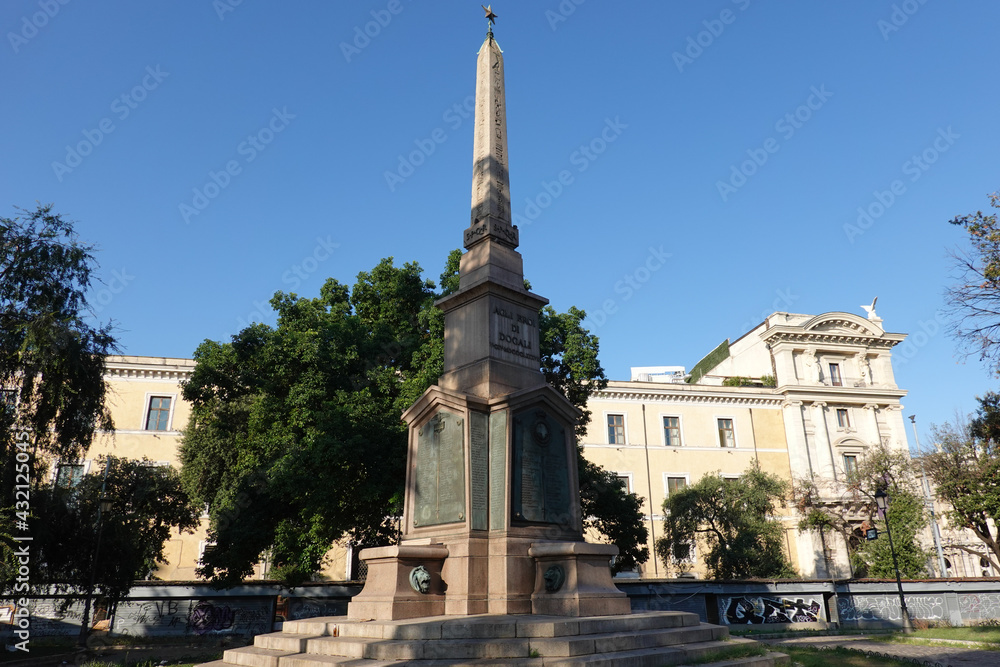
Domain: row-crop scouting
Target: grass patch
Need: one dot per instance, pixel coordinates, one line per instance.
(976, 633)
(731, 653)
(842, 657)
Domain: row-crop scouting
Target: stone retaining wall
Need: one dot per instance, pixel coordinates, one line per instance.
(195, 609)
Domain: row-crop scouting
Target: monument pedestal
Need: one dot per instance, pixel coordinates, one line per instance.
(573, 579)
(492, 475)
(403, 582)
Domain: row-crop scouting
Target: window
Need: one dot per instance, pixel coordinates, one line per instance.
(730, 479)
(68, 475)
(727, 437)
(205, 547)
(835, 378)
(616, 429)
(675, 484)
(158, 417)
(850, 463)
(672, 431)
(626, 481)
(843, 418)
(8, 400)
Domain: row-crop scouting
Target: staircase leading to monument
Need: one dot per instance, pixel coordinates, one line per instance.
(653, 639)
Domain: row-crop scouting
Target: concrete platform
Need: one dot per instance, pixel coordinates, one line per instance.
(644, 639)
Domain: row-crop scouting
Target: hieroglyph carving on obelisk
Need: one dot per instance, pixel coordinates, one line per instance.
(490, 184)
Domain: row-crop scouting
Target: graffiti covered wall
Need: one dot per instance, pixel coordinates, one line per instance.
(886, 607)
(758, 609)
(221, 616)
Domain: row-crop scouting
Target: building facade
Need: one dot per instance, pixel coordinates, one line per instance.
(660, 435)
(817, 392)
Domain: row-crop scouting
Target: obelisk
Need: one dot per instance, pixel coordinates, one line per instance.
(491, 519)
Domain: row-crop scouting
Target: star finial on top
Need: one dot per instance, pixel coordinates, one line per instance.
(489, 13)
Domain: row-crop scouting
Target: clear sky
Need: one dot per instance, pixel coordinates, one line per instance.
(219, 151)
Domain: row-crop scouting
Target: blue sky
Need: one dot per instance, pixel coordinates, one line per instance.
(219, 151)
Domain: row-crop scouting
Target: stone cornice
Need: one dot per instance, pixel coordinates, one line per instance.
(157, 369)
(863, 396)
(694, 395)
(796, 335)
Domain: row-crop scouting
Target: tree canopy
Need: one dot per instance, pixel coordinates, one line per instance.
(733, 519)
(52, 388)
(974, 297)
(298, 425)
(147, 501)
(880, 467)
(965, 469)
(51, 358)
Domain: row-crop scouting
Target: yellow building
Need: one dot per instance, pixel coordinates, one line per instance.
(661, 434)
(821, 390)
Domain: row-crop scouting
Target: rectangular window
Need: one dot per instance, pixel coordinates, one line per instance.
(843, 418)
(158, 416)
(835, 378)
(730, 479)
(616, 429)
(850, 463)
(672, 431)
(68, 475)
(675, 484)
(626, 482)
(8, 400)
(727, 437)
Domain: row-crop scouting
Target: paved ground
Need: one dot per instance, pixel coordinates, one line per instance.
(948, 655)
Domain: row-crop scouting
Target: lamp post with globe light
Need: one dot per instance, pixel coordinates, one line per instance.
(882, 501)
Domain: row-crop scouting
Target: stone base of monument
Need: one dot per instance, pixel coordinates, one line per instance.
(403, 582)
(573, 579)
(647, 638)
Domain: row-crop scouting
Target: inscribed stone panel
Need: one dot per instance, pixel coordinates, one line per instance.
(440, 471)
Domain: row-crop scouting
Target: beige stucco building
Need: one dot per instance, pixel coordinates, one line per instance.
(661, 434)
(819, 391)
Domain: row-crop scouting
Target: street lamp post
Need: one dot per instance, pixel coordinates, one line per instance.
(925, 485)
(103, 505)
(882, 501)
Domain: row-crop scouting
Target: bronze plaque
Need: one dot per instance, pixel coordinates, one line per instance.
(440, 471)
(479, 468)
(540, 491)
(498, 469)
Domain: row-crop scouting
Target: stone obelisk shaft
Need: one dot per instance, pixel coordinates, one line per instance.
(490, 182)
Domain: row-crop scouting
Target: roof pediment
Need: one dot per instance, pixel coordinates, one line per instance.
(835, 328)
(843, 324)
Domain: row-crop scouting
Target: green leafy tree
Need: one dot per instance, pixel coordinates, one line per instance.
(732, 518)
(905, 515)
(298, 425)
(965, 471)
(609, 509)
(51, 359)
(880, 467)
(147, 502)
(974, 298)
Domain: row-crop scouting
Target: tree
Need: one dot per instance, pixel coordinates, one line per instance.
(880, 467)
(975, 296)
(147, 502)
(608, 508)
(732, 518)
(298, 425)
(51, 359)
(905, 515)
(965, 470)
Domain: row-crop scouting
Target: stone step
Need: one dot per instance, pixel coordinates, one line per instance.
(255, 656)
(487, 626)
(282, 641)
(646, 638)
(610, 642)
